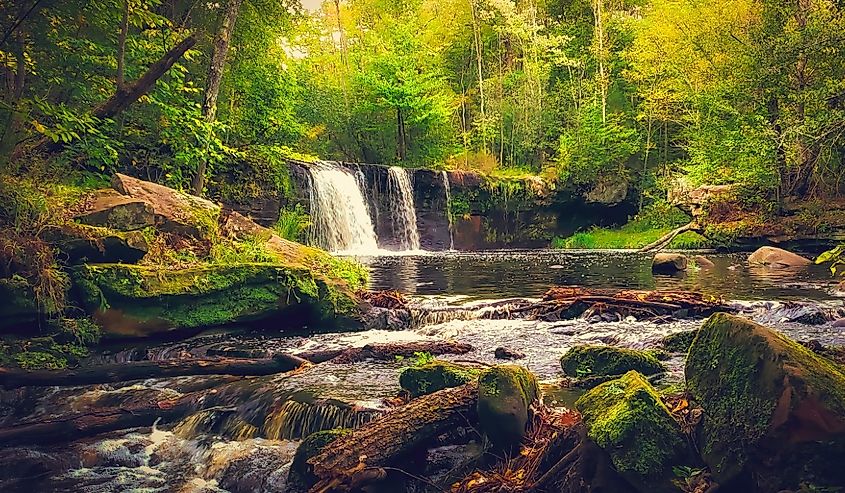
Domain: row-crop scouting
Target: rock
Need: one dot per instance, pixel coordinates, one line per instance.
(774, 412)
(703, 262)
(697, 201)
(301, 476)
(134, 300)
(596, 361)
(627, 419)
(505, 353)
(435, 375)
(259, 468)
(505, 394)
(838, 323)
(608, 191)
(679, 342)
(776, 258)
(175, 212)
(669, 263)
(18, 309)
(110, 209)
(82, 243)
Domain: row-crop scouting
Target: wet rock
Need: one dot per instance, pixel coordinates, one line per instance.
(593, 361)
(703, 262)
(505, 394)
(668, 263)
(301, 476)
(137, 300)
(777, 258)
(679, 342)
(839, 323)
(110, 209)
(263, 469)
(175, 211)
(376, 318)
(627, 419)
(435, 375)
(81, 243)
(607, 191)
(506, 353)
(774, 412)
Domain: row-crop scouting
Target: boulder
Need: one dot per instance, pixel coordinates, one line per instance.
(669, 263)
(597, 361)
(505, 395)
(175, 211)
(607, 191)
(703, 262)
(132, 300)
(82, 243)
(679, 342)
(774, 411)
(301, 475)
(435, 375)
(776, 258)
(627, 419)
(109, 209)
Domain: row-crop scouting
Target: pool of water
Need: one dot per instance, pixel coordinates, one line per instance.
(500, 274)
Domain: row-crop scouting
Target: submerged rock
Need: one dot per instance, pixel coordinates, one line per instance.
(774, 412)
(703, 262)
(679, 342)
(301, 476)
(507, 353)
(777, 258)
(597, 361)
(505, 395)
(136, 300)
(627, 419)
(435, 375)
(669, 263)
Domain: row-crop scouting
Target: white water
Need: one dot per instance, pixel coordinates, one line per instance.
(448, 190)
(401, 196)
(340, 218)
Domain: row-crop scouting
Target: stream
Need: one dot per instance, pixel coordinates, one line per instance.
(246, 442)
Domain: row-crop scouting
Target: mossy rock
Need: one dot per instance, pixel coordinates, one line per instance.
(774, 411)
(591, 361)
(679, 342)
(132, 300)
(19, 307)
(627, 419)
(505, 394)
(435, 375)
(301, 475)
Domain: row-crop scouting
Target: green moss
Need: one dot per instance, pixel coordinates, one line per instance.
(589, 361)
(301, 475)
(435, 375)
(19, 306)
(505, 394)
(628, 420)
(679, 342)
(740, 372)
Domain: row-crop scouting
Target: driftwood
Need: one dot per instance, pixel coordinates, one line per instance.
(385, 299)
(138, 370)
(664, 240)
(386, 351)
(360, 457)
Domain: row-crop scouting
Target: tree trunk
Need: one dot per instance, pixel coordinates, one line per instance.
(401, 144)
(352, 459)
(139, 370)
(476, 36)
(598, 13)
(121, 48)
(215, 76)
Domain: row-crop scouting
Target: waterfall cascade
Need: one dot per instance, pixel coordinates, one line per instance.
(401, 194)
(448, 191)
(340, 218)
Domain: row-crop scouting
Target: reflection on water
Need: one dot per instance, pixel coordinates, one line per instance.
(530, 273)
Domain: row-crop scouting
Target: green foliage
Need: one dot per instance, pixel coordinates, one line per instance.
(835, 257)
(293, 223)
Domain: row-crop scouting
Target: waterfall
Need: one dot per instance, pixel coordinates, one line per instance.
(401, 195)
(340, 218)
(448, 191)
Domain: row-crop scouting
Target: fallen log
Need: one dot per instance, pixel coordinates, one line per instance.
(664, 240)
(386, 351)
(140, 370)
(359, 458)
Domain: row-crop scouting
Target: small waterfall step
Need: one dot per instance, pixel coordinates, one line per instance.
(401, 194)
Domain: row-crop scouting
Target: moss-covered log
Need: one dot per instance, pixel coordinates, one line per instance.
(357, 458)
(436, 375)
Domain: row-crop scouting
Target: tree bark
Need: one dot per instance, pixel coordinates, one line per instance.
(215, 77)
(352, 459)
(121, 48)
(401, 149)
(664, 240)
(122, 372)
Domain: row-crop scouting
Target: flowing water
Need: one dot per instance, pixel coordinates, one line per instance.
(448, 191)
(340, 218)
(401, 195)
(246, 440)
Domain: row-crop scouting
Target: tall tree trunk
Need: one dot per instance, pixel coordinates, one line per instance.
(12, 122)
(401, 141)
(476, 36)
(803, 174)
(121, 48)
(598, 13)
(215, 76)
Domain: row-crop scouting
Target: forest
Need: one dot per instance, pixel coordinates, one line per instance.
(466, 246)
